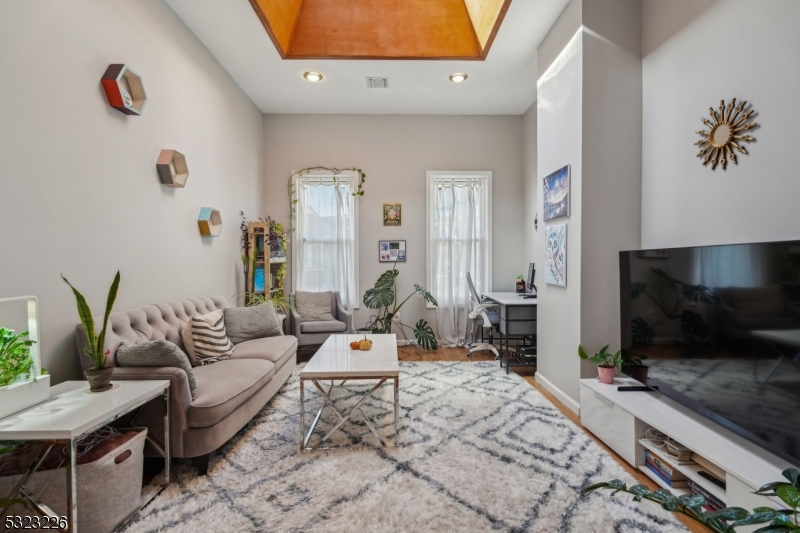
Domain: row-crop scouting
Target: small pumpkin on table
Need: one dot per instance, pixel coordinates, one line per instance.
(363, 344)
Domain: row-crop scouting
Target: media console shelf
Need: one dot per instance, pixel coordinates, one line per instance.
(620, 419)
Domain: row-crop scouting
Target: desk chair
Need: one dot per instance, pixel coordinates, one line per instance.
(484, 315)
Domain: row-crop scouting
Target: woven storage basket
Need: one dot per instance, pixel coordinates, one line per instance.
(108, 493)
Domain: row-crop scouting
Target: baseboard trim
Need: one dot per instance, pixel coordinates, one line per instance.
(564, 398)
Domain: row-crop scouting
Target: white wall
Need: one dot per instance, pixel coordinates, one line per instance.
(80, 194)
(691, 61)
(589, 116)
(395, 151)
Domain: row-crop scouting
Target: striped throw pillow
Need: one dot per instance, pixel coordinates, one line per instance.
(206, 340)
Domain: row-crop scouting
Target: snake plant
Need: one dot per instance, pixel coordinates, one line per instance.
(95, 349)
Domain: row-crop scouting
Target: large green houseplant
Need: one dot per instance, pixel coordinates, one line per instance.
(727, 519)
(99, 376)
(383, 298)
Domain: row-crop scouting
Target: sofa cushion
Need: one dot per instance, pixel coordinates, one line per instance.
(157, 353)
(224, 386)
(247, 323)
(278, 350)
(322, 326)
(758, 301)
(312, 306)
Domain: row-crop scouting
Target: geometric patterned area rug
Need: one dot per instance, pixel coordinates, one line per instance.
(478, 450)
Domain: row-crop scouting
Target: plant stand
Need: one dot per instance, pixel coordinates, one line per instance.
(71, 413)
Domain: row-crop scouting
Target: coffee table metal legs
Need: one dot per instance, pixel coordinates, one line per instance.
(343, 416)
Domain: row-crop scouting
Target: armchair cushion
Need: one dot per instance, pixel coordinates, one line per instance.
(313, 306)
(224, 386)
(323, 326)
(277, 350)
(247, 323)
(158, 353)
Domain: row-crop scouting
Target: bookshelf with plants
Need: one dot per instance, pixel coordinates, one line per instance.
(264, 246)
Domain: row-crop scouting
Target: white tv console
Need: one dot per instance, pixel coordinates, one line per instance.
(620, 420)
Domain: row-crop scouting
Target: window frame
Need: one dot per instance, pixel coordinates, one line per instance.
(430, 177)
(325, 176)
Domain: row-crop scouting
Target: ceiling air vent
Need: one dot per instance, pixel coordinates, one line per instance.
(377, 83)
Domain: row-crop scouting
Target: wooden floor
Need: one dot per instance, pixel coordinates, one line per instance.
(460, 354)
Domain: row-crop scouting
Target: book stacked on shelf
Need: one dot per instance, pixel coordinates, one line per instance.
(712, 503)
(678, 452)
(664, 471)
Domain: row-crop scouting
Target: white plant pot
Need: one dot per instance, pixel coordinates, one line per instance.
(19, 396)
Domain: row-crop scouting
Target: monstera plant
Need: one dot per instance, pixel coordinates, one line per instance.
(383, 297)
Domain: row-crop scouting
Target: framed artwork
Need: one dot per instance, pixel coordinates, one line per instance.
(653, 254)
(556, 194)
(391, 251)
(555, 271)
(391, 214)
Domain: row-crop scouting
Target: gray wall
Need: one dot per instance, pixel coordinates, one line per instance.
(691, 61)
(395, 151)
(529, 183)
(80, 194)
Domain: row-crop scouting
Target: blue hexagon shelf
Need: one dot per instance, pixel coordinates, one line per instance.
(210, 222)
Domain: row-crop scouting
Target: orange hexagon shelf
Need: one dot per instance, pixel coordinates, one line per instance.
(124, 89)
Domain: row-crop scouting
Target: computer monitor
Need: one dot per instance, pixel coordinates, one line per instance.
(531, 278)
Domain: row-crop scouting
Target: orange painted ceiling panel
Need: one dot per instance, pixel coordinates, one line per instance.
(384, 28)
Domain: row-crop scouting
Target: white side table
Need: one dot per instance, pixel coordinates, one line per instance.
(70, 413)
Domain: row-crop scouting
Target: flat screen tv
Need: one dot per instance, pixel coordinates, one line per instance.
(719, 327)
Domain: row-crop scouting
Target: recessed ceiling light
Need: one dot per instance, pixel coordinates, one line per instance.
(458, 77)
(312, 76)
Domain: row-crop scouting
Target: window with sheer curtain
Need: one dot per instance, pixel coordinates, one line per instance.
(324, 241)
(459, 241)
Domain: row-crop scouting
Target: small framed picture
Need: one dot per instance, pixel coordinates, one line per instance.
(391, 251)
(391, 214)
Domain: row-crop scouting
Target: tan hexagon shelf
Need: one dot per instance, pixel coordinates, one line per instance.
(172, 169)
(210, 222)
(124, 89)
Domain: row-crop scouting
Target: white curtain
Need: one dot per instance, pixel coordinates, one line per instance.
(459, 244)
(324, 241)
(728, 266)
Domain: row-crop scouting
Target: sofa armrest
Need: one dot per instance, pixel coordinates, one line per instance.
(180, 399)
(294, 322)
(343, 315)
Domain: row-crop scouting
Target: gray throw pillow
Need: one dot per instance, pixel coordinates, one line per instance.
(248, 323)
(156, 353)
(313, 306)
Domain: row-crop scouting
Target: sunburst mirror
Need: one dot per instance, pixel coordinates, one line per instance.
(726, 133)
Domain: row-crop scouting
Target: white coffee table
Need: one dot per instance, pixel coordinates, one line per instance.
(788, 337)
(336, 361)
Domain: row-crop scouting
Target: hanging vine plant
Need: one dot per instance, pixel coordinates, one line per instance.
(335, 171)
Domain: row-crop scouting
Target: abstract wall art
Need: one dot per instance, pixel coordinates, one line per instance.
(555, 272)
(555, 192)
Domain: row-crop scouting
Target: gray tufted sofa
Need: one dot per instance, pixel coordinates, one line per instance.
(229, 393)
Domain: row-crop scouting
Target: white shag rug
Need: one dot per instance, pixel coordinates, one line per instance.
(479, 450)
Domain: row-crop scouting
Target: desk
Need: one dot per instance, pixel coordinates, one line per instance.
(517, 318)
(70, 413)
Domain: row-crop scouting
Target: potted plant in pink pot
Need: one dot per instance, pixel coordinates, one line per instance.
(607, 363)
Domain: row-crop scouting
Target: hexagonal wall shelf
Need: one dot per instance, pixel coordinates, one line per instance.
(124, 89)
(210, 222)
(172, 169)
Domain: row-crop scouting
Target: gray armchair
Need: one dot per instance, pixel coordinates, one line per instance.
(316, 333)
